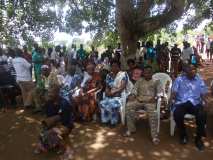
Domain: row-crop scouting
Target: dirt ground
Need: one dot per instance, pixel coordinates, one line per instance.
(19, 130)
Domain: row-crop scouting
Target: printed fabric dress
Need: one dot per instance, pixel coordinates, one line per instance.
(87, 104)
(110, 105)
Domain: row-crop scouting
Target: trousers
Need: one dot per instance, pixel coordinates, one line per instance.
(131, 108)
(188, 108)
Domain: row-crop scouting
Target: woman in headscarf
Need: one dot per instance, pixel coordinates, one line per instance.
(86, 101)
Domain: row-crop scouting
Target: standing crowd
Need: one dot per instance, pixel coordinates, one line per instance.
(73, 85)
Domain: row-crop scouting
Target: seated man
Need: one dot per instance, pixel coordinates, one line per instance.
(143, 95)
(188, 93)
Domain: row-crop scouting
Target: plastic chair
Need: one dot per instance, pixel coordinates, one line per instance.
(166, 83)
(173, 124)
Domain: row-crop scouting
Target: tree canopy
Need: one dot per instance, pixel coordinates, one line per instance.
(130, 19)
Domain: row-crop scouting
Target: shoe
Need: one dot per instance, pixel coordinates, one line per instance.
(28, 107)
(112, 126)
(184, 140)
(104, 124)
(37, 110)
(156, 141)
(127, 133)
(199, 144)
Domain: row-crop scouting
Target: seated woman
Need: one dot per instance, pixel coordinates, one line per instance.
(59, 108)
(86, 101)
(56, 126)
(38, 94)
(116, 84)
(48, 80)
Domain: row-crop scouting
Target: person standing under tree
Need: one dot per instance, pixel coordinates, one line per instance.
(37, 59)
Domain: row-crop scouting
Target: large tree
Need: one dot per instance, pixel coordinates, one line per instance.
(25, 19)
(132, 19)
(137, 18)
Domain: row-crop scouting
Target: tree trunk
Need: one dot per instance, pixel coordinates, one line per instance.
(134, 22)
(126, 32)
(129, 48)
(128, 42)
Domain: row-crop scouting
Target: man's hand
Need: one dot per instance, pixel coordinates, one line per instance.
(205, 102)
(205, 105)
(131, 98)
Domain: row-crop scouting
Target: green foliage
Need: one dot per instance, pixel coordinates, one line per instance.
(25, 19)
(209, 29)
(109, 39)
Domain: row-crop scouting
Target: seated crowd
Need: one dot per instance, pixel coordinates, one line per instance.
(77, 86)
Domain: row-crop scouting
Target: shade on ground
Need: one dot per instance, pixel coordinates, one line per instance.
(19, 132)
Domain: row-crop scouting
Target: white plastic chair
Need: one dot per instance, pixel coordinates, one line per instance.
(123, 108)
(173, 124)
(166, 83)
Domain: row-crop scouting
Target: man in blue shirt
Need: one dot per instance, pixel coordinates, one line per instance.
(188, 96)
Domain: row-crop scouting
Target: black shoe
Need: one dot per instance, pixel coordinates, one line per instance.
(184, 140)
(104, 124)
(112, 126)
(37, 110)
(199, 144)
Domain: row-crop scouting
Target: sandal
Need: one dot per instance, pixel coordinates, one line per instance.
(68, 155)
(128, 134)
(155, 141)
(40, 149)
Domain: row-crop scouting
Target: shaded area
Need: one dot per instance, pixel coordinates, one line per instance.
(19, 132)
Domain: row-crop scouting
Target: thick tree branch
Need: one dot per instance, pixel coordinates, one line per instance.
(154, 23)
(125, 13)
(144, 7)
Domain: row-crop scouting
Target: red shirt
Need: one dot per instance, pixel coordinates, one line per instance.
(27, 56)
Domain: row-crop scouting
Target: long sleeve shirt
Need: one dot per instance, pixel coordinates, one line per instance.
(146, 90)
(189, 89)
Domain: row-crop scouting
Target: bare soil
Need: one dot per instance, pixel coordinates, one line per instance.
(19, 131)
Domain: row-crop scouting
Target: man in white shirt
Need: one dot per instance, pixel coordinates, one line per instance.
(72, 55)
(23, 76)
(139, 52)
(187, 52)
